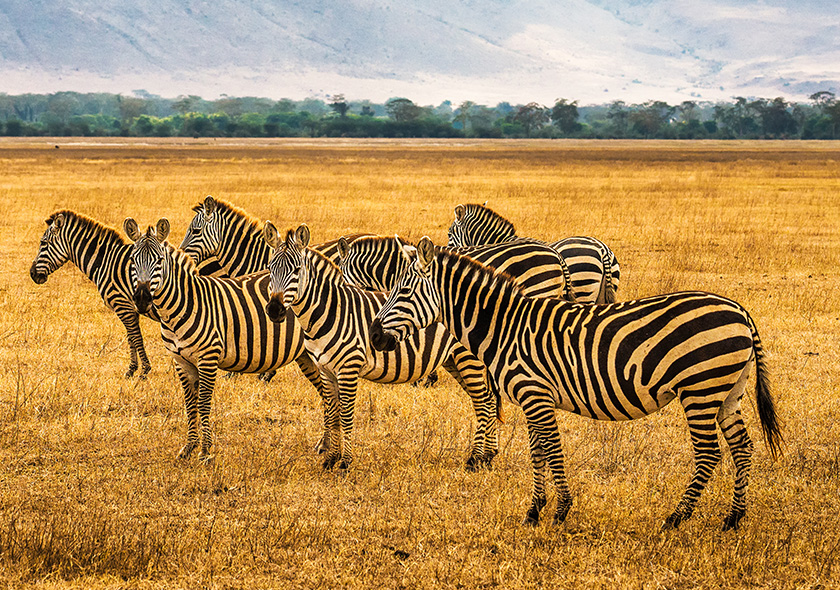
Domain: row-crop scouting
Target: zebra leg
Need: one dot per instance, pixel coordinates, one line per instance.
(313, 374)
(131, 321)
(470, 374)
(740, 445)
(532, 517)
(543, 421)
(348, 384)
(331, 439)
(206, 383)
(701, 425)
(188, 375)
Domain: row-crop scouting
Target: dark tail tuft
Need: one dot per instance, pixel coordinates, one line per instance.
(770, 424)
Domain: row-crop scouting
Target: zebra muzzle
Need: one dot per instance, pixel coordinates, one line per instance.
(38, 277)
(275, 309)
(142, 298)
(380, 340)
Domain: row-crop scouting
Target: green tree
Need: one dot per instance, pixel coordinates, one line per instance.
(564, 114)
(339, 105)
(402, 110)
(531, 116)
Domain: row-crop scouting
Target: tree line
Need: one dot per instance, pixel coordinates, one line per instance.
(147, 115)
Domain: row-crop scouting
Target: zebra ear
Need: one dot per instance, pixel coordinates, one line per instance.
(459, 212)
(343, 248)
(131, 229)
(58, 221)
(209, 205)
(162, 229)
(426, 251)
(485, 203)
(272, 238)
(302, 236)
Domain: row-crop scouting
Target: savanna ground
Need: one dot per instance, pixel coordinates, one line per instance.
(91, 494)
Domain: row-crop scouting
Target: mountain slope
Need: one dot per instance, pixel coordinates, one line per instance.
(492, 50)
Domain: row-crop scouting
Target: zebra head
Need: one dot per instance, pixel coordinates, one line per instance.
(148, 256)
(204, 235)
(413, 304)
(287, 267)
(458, 235)
(53, 251)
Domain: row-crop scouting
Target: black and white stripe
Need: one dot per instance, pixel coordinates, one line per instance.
(209, 324)
(103, 256)
(608, 362)
(375, 263)
(336, 316)
(230, 240)
(593, 267)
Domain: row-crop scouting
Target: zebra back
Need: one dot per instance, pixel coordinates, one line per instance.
(594, 269)
(375, 263)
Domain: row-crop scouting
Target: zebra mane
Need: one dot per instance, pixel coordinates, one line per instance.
(89, 223)
(486, 212)
(232, 210)
(463, 265)
(380, 240)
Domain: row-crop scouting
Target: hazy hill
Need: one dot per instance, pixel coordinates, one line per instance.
(488, 50)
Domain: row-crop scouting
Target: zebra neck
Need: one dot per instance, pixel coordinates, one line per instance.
(92, 247)
(479, 308)
(246, 251)
(320, 300)
(177, 293)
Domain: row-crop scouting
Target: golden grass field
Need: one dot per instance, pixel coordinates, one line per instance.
(91, 494)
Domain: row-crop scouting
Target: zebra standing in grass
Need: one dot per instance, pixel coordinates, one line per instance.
(209, 324)
(103, 256)
(224, 233)
(335, 317)
(609, 362)
(593, 266)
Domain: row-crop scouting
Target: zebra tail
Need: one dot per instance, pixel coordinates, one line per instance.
(609, 288)
(767, 414)
(569, 294)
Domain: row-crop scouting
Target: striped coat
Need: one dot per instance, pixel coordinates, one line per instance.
(335, 317)
(103, 256)
(209, 324)
(608, 362)
(594, 269)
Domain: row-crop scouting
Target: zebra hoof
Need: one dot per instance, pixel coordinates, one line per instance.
(185, 452)
(144, 372)
(672, 522)
(532, 518)
(207, 460)
(733, 520)
(562, 511)
(323, 445)
(343, 465)
(330, 462)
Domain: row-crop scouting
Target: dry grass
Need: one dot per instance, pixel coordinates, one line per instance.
(90, 492)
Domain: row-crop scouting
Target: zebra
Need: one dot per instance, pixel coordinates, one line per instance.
(619, 361)
(594, 267)
(335, 317)
(102, 254)
(226, 235)
(209, 324)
